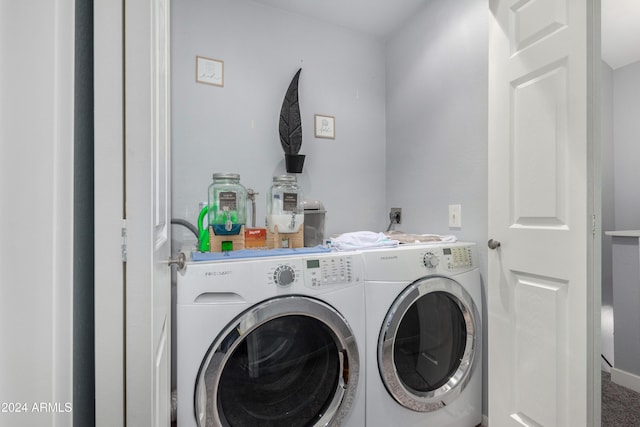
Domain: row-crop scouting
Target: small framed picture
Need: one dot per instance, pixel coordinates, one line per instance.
(325, 126)
(209, 71)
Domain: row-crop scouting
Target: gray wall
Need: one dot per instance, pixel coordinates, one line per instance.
(437, 107)
(608, 189)
(411, 113)
(626, 315)
(437, 118)
(626, 177)
(626, 101)
(235, 128)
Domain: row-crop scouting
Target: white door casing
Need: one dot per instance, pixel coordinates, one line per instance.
(541, 284)
(37, 132)
(147, 210)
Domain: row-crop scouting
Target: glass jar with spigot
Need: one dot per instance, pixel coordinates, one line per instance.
(285, 209)
(227, 204)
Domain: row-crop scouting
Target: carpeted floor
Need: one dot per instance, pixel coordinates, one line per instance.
(620, 406)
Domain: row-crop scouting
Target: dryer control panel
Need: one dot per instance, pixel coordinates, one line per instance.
(451, 259)
(328, 271)
(457, 257)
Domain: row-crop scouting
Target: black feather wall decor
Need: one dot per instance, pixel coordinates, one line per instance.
(290, 122)
(291, 127)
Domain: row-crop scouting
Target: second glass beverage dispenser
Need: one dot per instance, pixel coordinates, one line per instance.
(285, 209)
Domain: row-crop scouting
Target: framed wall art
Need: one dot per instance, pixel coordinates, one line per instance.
(325, 126)
(209, 71)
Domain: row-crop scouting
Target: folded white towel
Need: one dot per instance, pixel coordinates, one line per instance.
(422, 239)
(362, 240)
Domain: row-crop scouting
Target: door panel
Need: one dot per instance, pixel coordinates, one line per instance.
(539, 145)
(133, 321)
(540, 284)
(534, 20)
(109, 206)
(539, 326)
(147, 195)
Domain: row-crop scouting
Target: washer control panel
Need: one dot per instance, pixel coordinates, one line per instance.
(328, 271)
(314, 272)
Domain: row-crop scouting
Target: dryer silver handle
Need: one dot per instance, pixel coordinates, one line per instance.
(341, 390)
(344, 375)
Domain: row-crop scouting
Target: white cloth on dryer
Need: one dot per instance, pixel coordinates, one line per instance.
(423, 239)
(362, 240)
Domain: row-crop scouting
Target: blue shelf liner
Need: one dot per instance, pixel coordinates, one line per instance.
(256, 253)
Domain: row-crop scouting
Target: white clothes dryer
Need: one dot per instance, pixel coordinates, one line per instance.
(423, 361)
(273, 341)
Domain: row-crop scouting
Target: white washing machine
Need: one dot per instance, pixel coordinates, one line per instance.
(274, 341)
(423, 361)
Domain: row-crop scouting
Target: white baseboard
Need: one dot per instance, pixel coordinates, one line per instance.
(625, 379)
(485, 421)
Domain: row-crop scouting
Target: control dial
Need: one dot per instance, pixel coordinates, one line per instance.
(284, 275)
(430, 260)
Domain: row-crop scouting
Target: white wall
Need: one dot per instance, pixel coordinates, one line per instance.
(36, 218)
(626, 106)
(437, 100)
(235, 128)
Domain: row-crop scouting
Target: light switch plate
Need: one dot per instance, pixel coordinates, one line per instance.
(455, 216)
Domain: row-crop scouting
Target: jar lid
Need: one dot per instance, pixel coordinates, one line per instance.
(313, 206)
(226, 175)
(285, 178)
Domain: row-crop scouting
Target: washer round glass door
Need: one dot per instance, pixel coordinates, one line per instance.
(427, 345)
(290, 361)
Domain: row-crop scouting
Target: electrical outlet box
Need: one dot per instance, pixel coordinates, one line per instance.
(395, 215)
(455, 216)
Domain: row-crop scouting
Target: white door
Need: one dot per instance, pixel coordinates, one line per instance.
(542, 133)
(147, 212)
(133, 295)
(109, 207)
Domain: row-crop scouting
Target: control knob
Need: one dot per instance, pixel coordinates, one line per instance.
(284, 275)
(430, 260)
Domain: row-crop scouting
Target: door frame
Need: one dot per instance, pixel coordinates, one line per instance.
(594, 57)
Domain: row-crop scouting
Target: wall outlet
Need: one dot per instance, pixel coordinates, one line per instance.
(395, 215)
(455, 216)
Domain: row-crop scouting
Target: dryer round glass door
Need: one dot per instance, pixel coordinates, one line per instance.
(290, 361)
(427, 345)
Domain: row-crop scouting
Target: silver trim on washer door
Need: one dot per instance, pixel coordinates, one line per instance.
(206, 393)
(445, 394)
